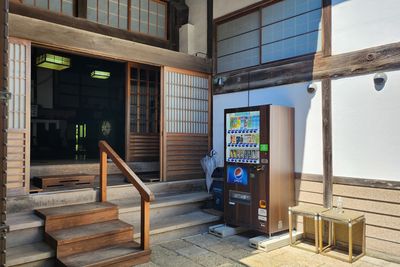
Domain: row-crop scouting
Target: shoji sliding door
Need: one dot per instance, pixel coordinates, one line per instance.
(18, 113)
(186, 123)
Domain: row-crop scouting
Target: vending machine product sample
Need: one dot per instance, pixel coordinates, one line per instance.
(259, 167)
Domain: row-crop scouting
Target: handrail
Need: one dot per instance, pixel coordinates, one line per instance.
(146, 195)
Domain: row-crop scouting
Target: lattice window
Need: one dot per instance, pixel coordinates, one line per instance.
(186, 103)
(149, 17)
(145, 104)
(17, 106)
(238, 43)
(65, 7)
(291, 28)
(109, 12)
(272, 32)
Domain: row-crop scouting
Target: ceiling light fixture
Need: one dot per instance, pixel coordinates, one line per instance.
(53, 62)
(99, 74)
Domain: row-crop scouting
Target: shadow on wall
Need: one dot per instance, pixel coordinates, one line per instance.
(307, 128)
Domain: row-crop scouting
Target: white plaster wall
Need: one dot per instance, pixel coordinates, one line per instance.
(359, 24)
(308, 120)
(223, 7)
(198, 18)
(366, 128)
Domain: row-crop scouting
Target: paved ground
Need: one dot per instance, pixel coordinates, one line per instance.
(208, 250)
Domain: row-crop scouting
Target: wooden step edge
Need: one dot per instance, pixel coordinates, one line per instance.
(54, 242)
(142, 255)
(39, 213)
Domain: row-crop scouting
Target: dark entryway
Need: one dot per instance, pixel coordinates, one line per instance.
(74, 108)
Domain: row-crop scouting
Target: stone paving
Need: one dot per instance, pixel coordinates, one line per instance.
(208, 250)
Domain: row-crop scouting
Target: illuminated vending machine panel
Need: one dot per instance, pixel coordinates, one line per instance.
(243, 137)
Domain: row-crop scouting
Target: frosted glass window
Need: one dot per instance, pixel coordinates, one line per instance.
(238, 43)
(238, 26)
(59, 6)
(290, 28)
(17, 86)
(148, 16)
(239, 60)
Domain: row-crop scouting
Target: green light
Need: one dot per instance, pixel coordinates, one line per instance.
(53, 62)
(98, 74)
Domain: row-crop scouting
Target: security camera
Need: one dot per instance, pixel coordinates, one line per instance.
(380, 78)
(311, 88)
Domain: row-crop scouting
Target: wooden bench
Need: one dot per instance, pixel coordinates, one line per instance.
(69, 180)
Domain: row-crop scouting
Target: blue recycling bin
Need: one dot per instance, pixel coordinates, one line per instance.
(218, 192)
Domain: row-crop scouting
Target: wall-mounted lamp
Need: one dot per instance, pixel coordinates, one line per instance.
(311, 88)
(219, 81)
(380, 80)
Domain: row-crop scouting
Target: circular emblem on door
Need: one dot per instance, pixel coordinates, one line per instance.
(106, 128)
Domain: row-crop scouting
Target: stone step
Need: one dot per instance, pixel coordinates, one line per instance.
(75, 215)
(122, 255)
(89, 237)
(35, 254)
(27, 227)
(88, 195)
(174, 227)
(164, 205)
(165, 230)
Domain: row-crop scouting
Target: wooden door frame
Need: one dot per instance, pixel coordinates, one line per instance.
(128, 67)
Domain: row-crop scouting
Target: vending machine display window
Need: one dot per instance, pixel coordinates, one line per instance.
(243, 137)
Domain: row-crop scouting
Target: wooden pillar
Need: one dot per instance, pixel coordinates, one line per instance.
(3, 125)
(327, 142)
(210, 15)
(327, 106)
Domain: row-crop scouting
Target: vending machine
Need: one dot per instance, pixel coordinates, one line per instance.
(259, 167)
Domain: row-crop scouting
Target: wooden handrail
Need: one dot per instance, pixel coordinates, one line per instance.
(146, 195)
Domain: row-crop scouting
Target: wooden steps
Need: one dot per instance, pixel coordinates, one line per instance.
(123, 255)
(89, 237)
(78, 232)
(75, 215)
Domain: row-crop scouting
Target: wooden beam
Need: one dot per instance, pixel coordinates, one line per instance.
(79, 41)
(385, 57)
(365, 182)
(327, 142)
(82, 23)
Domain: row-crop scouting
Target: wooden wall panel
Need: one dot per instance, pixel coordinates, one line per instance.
(183, 156)
(144, 147)
(381, 207)
(17, 168)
